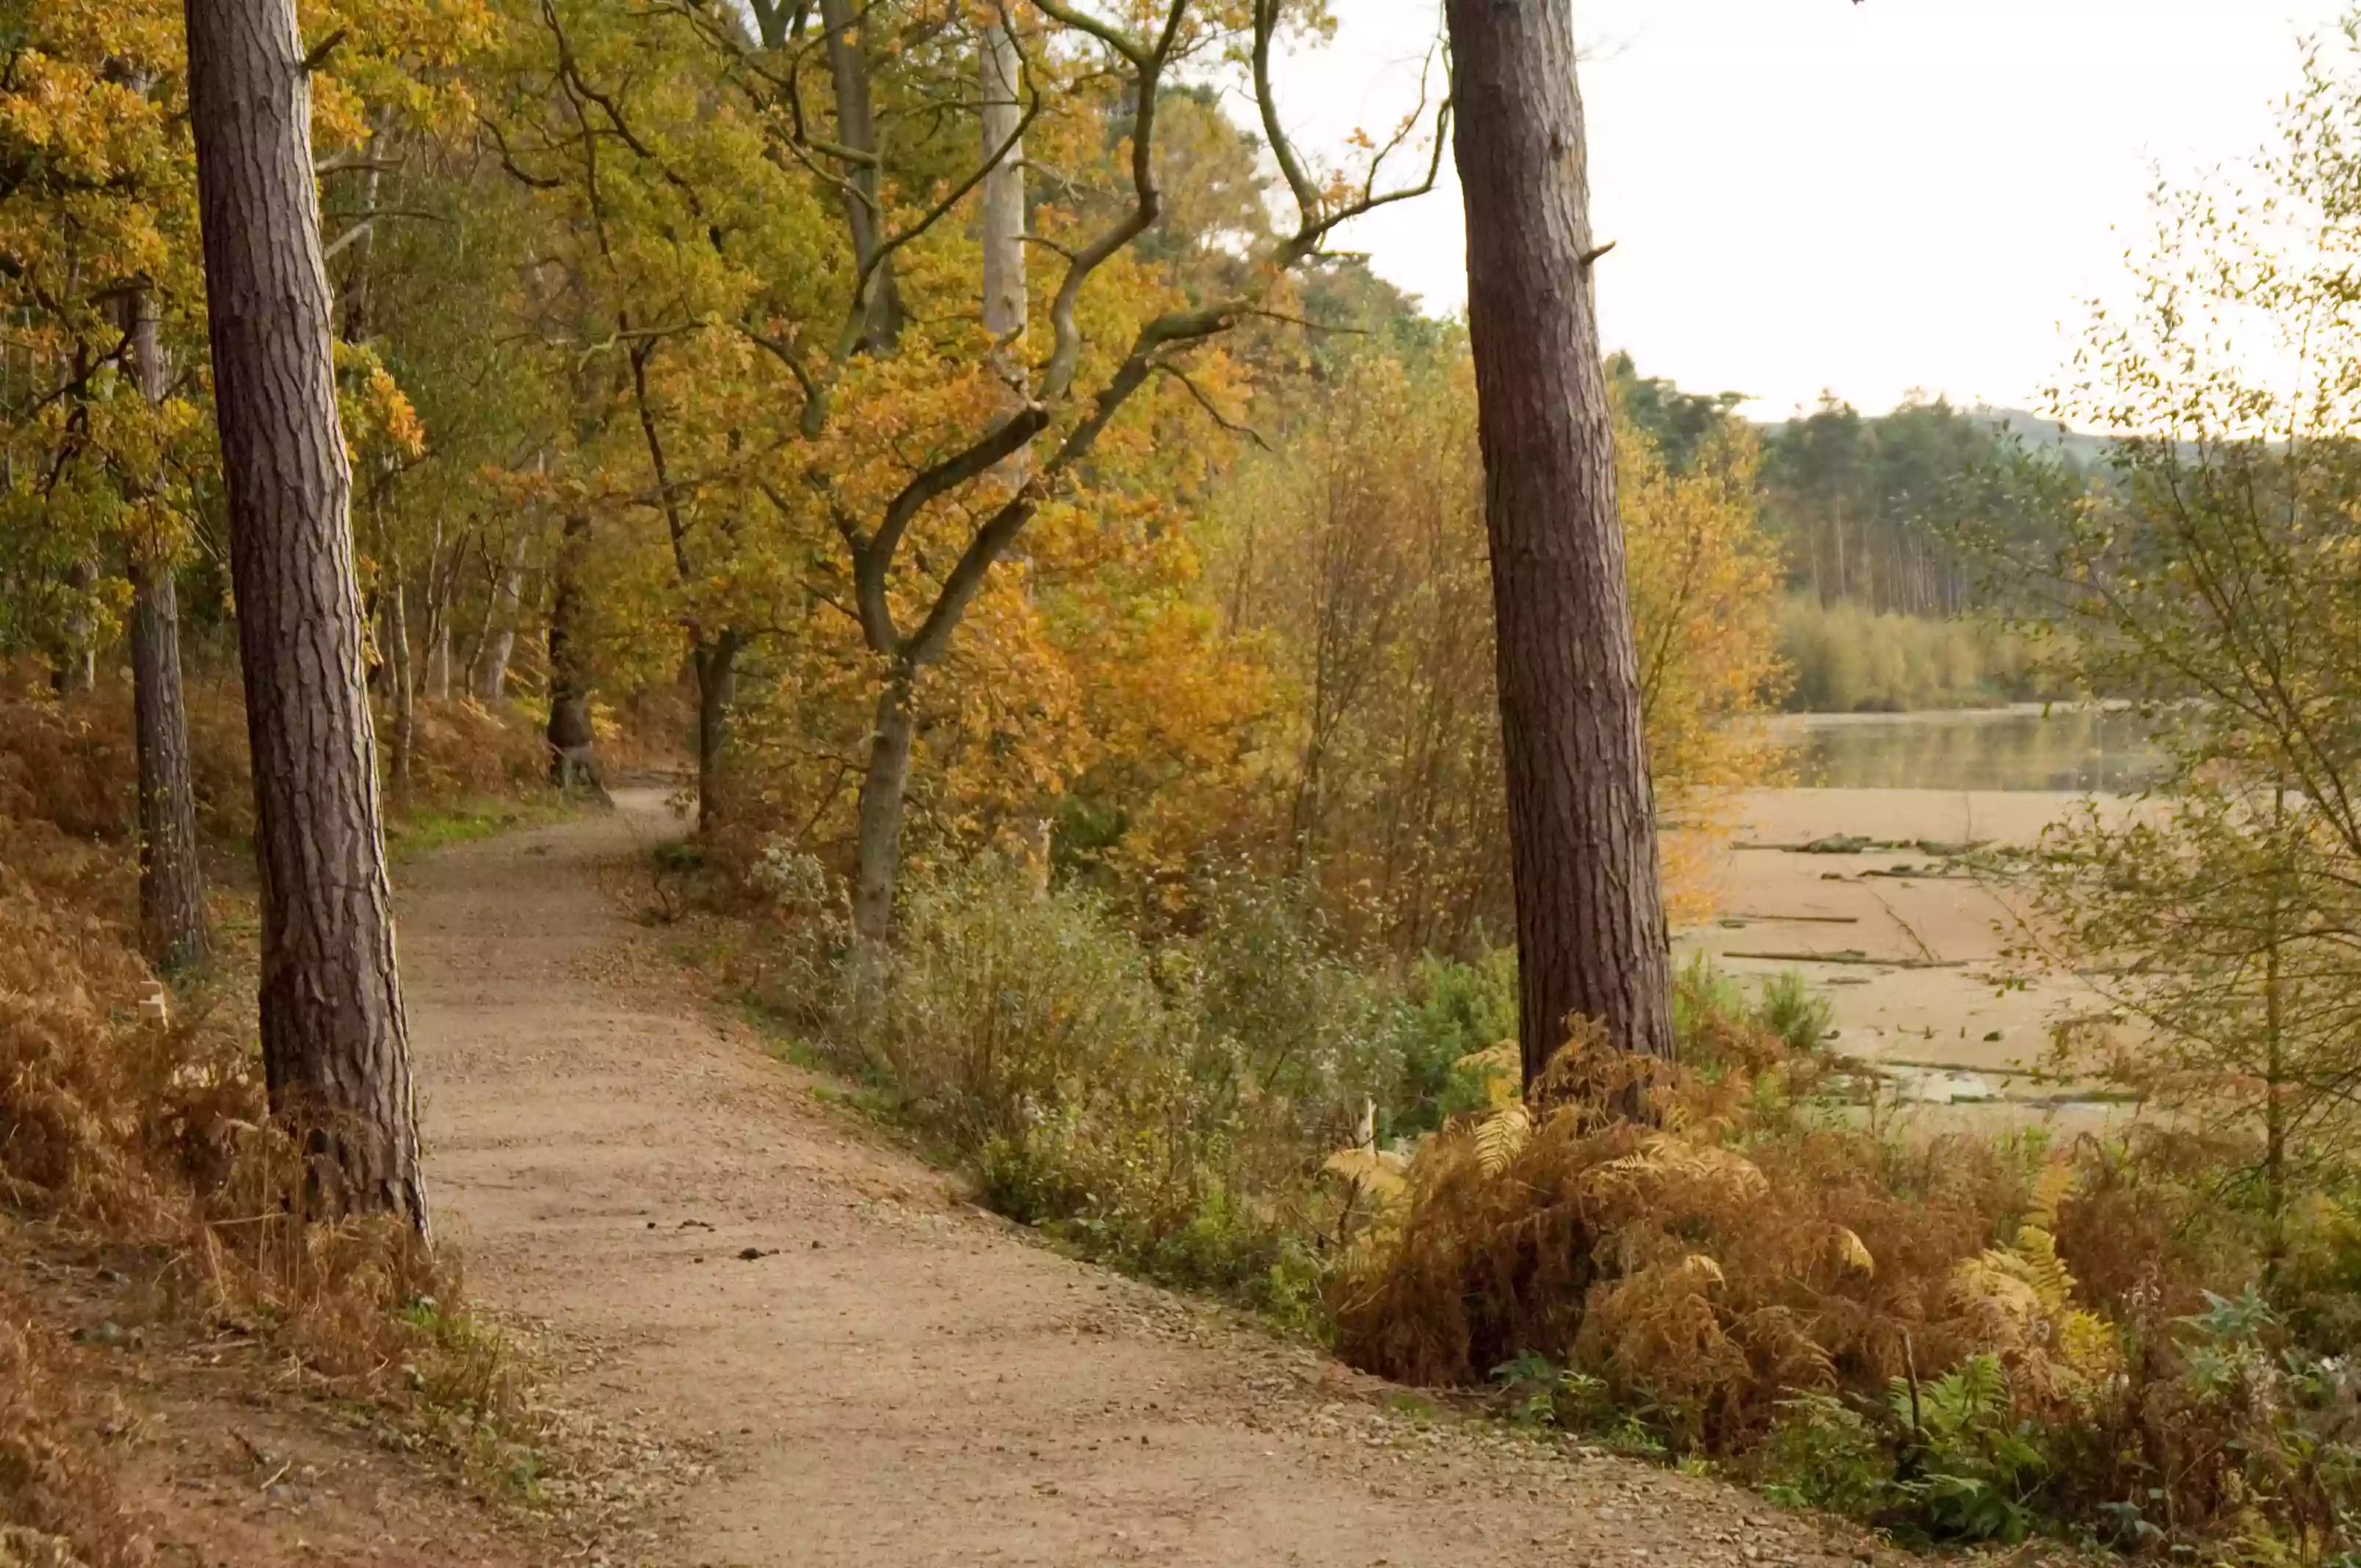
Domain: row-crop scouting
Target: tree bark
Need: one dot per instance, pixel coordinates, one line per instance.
(882, 789)
(569, 733)
(76, 672)
(335, 1042)
(171, 879)
(1590, 922)
(438, 619)
(716, 663)
(1002, 220)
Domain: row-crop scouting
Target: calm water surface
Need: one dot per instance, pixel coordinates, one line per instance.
(2024, 748)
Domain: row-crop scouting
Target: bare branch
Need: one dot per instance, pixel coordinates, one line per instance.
(1166, 367)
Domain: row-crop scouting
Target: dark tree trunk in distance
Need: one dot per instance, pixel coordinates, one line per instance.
(716, 663)
(171, 879)
(1582, 829)
(569, 734)
(334, 1043)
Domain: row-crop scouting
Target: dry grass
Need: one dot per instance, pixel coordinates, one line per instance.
(1952, 1335)
(1707, 1265)
(118, 1127)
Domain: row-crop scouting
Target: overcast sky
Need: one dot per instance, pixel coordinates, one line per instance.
(1810, 193)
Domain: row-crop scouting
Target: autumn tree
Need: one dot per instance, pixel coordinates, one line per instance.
(335, 1050)
(1355, 553)
(1591, 939)
(2211, 577)
(967, 482)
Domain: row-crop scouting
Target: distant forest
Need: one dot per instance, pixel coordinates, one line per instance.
(1869, 510)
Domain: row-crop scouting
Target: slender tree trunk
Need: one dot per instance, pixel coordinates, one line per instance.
(76, 674)
(1590, 921)
(999, 70)
(438, 619)
(2275, 1069)
(402, 686)
(1003, 222)
(569, 732)
(882, 789)
(501, 615)
(335, 1042)
(171, 879)
(856, 127)
(716, 663)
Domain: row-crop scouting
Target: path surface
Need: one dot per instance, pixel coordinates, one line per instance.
(900, 1378)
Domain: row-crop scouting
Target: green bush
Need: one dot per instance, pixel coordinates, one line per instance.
(1451, 1010)
(1165, 1108)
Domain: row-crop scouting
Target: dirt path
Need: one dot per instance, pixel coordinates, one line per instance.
(898, 1378)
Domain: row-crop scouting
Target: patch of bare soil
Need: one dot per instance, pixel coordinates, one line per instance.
(225, 1458)
(874, 1371)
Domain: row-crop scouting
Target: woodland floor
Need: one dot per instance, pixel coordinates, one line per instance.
(818, 1351)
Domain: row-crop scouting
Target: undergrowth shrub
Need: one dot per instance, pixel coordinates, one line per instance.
(57, 1501)
(1955, 1336)
(1164, 1108)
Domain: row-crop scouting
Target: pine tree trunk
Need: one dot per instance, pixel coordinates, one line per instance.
(1590, 923)
(882, 789)
(334, 1043)
(171, 879)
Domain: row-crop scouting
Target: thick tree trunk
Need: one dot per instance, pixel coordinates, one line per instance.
(171, 879)
(716, 663)
(569, 733)
(501, 615)
(334, 1046)
(1582, 829)
(882, 789)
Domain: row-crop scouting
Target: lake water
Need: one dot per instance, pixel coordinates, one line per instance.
(2022, 748)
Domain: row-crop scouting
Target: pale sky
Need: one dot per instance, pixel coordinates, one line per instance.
(1810, 193)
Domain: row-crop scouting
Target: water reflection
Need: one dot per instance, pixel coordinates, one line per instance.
(2024, 748)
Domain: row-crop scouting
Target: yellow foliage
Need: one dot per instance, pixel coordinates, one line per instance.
(1358, 556)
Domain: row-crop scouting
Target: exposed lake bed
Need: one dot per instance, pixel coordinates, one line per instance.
(1860, 878)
